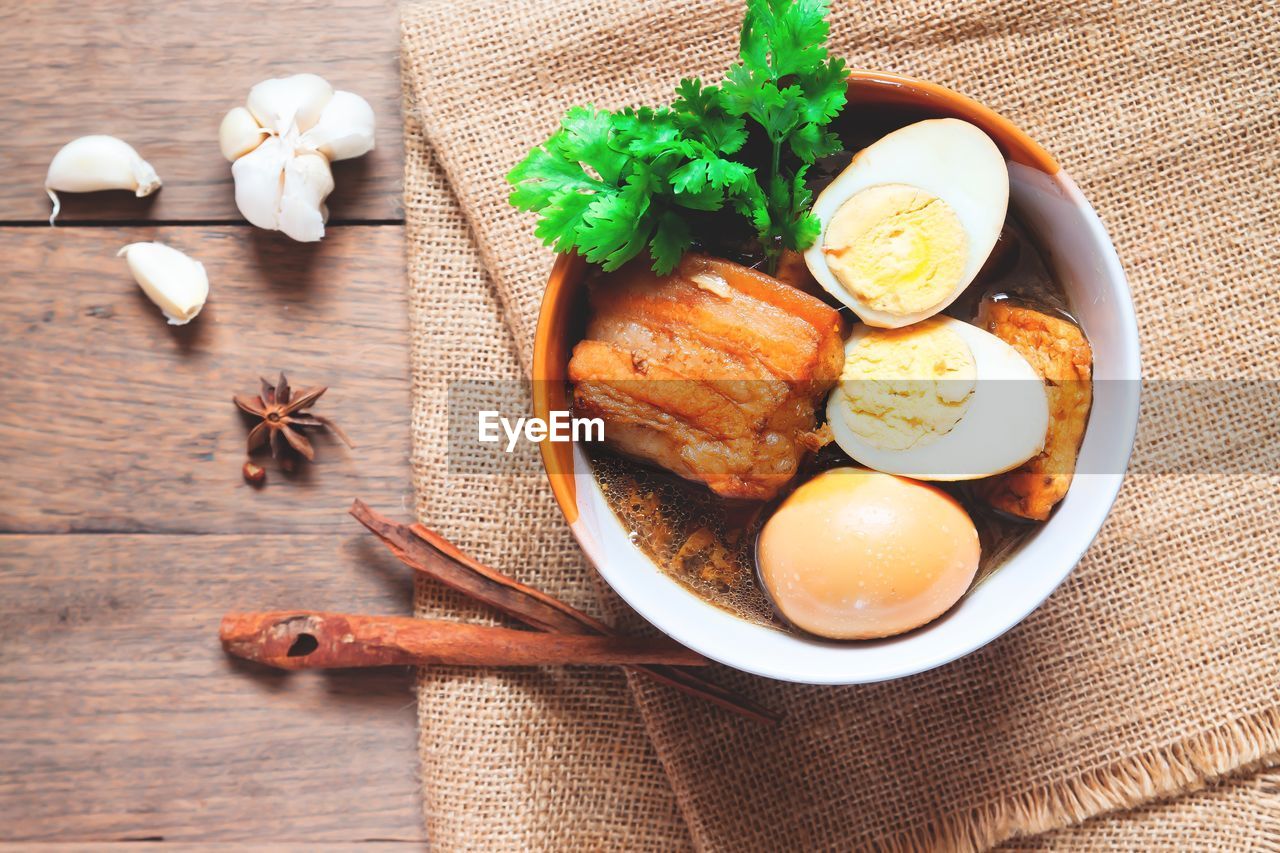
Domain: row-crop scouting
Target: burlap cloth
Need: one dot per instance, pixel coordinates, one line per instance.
(1150, 672)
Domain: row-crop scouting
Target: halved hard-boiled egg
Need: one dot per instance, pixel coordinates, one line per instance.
(855, 554)
(939, 400)
(909, 223)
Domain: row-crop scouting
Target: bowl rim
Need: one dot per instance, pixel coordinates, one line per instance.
(550, 355)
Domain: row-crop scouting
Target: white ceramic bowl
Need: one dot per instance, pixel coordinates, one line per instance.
(1084, 260)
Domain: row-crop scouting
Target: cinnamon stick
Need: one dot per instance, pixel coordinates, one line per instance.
(429, 553)
(304, 639)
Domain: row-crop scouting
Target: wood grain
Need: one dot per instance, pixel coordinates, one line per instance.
(193, 846)
(113, 421)
(123, 719)
(162, 75)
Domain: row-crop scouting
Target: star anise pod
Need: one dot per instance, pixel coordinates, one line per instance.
(281, 410)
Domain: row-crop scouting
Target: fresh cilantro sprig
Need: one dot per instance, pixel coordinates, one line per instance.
(611, 184)
(792, 88)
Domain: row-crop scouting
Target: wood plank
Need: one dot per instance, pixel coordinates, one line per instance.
(113, 421)
(123, 719)
(162, 75)
(191, 847)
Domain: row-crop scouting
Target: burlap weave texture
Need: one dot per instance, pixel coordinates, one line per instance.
(515, 759)
(1151, 670)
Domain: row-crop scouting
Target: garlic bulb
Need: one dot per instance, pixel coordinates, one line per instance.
(175, 282)
(93, 163)
(280, 145)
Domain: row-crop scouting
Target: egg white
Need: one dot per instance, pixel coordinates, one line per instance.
(947, 158)
(1003, 426)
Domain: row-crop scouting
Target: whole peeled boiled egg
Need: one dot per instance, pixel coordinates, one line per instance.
(910, 222)
(939, 400)
(856, 554)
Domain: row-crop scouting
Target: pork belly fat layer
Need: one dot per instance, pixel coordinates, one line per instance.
(713, 372)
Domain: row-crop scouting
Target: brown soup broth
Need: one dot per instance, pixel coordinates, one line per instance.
(707, 543)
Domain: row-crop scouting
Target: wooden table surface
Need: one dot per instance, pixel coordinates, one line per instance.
(126, 530)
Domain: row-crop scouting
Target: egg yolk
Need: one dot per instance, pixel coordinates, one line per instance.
(896, 248)
(856, 554)
(907, 387)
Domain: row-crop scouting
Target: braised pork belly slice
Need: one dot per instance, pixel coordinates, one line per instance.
(713, 372)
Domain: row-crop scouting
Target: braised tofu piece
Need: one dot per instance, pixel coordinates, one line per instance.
(713, 372)
(1057, 349)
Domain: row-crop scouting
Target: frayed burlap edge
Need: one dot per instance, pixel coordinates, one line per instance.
(1242, 746)
(1238, 813)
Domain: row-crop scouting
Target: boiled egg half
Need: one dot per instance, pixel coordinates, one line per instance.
(909, 223)
(855, 554)
(939, 400)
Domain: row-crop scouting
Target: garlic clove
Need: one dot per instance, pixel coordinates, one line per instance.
(344, 129)
(239, 134)
(93, 163)
(259, 180)
(307, 182)
(282, 103)
(175, 282)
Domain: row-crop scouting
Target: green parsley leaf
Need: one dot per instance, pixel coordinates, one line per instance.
(615, 226)
(805, 228)
(542, 176)
(781, 37)
(728, 174)
(752, 204)
(810, 142)
(781, 120)
(691, 177)
(586, 140)
(707, 199)
(824, 91)
(700, 113)
(558, 226)
(670, 241)
(750, 93)
(646, 133)
(708, 171)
